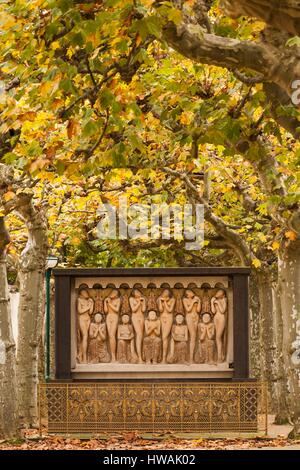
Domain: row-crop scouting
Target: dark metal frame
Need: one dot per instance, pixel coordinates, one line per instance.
(65, 280)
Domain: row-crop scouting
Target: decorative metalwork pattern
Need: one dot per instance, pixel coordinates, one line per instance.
(153, 407)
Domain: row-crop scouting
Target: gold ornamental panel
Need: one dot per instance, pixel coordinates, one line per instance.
(204, 407)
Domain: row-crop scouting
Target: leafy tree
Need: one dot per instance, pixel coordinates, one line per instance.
(138, 97)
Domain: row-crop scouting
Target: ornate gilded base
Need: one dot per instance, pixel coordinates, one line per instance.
(153, 407)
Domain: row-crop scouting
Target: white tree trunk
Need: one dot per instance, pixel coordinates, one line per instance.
(31, 312)
(255, 350)
(289, 283)
(281, 391)
(267, 346)
(8, 398)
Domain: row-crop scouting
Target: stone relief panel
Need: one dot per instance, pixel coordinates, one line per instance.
(152, 325)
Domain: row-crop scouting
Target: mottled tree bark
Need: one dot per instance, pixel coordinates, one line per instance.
(31, 309)
(8, 398)
(276, 65)
(282, 15)
(255, 350)
(267, 338)
(281, 390)
(289, 285)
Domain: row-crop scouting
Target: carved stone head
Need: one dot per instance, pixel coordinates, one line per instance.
(84, 293)
(125, 319)
(167, 294)
(114, 294)
(189, 293)
(98, 318)
(206, 317)
(152, 315)
(137, 293)
(179, 319)
(220, 294)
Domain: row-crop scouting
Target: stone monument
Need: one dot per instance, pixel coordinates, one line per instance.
(145, 324)
(152, 349)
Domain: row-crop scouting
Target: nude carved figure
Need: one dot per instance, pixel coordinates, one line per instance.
(126, 352)
(85, 307)
(138, 307)
(179, 341)
(112, 306)
(206, 334)
(218, 308)
(192, 307)
(166, 305)
(97, 350)
(152, 340)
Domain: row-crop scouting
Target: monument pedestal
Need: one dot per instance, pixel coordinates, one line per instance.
(158, 371)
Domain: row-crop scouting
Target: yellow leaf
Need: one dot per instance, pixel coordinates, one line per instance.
(262, 237)
(45, 88)
(9, 195)
(256, 263)
(55, 45)
(75, 241)
(185, 118)
(291, 235)
(275, 246)
(175, 16)
(7, 21)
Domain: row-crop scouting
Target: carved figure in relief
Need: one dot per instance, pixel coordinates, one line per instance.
(206, 334)
(85, 307)
(112, 306)
(152, 340)
(192, 307)
(126, 351)
(97, 350)
(138, 307)
(219, 308)
(179, 341)
(166, 305)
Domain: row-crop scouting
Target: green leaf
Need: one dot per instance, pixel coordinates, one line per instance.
(78, 39)
(107, 98)
(295, 41)
(66, 85)
(90, 128)
(60, 167)
(175, 16)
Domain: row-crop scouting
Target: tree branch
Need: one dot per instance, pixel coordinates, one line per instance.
(4, 237)
(283, 15)
(88, 152)
(247, 79)
(272, 63)
(233, 239)
(277, 98)
(218, 50)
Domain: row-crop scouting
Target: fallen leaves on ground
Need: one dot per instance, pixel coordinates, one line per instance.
(134, 441)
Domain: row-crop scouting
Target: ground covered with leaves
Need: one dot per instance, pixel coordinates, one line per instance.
(136, 441)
